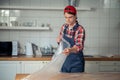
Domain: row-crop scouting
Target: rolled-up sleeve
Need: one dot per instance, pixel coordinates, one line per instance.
(79, 38)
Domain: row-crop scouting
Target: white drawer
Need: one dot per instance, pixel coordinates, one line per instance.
(107, 68)
(107, 63)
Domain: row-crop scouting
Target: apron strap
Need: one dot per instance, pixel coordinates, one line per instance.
(74, 29)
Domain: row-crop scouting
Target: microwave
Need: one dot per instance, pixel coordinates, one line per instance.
(8, 48)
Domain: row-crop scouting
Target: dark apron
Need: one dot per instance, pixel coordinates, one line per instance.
(74, 61)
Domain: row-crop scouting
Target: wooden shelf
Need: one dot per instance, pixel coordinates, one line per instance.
(24, 28)
(42, 8)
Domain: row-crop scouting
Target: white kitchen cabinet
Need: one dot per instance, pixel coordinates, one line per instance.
(32, 66)
(8, 69)
(91, 66)
(118, 66)
(102, 66)
(109, 66)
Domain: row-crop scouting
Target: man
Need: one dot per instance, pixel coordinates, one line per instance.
(73, 33)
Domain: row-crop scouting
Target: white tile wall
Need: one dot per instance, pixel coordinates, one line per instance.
(102, 25)
(4, 35)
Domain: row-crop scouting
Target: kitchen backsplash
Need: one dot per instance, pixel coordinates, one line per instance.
(102, 25)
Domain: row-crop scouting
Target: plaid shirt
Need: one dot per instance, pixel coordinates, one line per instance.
(79, 35)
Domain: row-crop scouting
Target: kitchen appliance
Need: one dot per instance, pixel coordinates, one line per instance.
(32, 50)
(8, 48)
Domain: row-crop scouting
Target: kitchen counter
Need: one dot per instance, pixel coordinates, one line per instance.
(79, 76)
(48, 58)
(20, 76)
(25, 58)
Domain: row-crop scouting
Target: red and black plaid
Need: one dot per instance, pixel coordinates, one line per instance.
(79, 35)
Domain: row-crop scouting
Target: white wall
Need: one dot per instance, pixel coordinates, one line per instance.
(102, 25)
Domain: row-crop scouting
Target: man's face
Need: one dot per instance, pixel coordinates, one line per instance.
(70, 19)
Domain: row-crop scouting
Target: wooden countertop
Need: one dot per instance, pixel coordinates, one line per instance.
(48, 58)
(20, 76)
(26, 58)
(79, 76)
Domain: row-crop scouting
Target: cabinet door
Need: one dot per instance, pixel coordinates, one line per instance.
(91, 66)
(32, 66)
(107, 66)
(8, 69)
(117, 66)
(44, 63)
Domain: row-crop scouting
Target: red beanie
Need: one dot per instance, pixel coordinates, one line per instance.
(71, 9)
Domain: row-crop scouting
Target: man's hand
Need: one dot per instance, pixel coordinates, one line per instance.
(58, 39)
(66, 51)
(69, 50)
